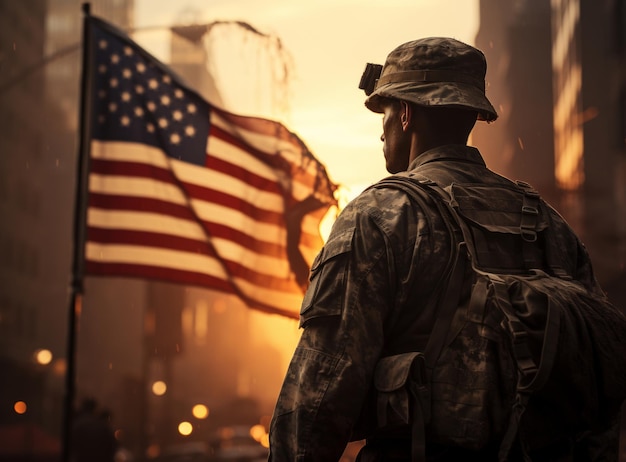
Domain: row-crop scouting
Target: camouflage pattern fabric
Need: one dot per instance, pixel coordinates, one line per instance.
(371, 295)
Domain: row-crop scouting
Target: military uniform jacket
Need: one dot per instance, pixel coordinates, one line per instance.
(371, 295)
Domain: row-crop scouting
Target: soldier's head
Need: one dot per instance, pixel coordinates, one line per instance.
(432, 86)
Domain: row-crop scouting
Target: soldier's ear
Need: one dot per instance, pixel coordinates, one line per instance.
(406, 113)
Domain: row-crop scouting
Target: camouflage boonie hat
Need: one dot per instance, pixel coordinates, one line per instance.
(434, 71)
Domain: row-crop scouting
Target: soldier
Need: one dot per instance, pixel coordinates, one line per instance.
(373, 287)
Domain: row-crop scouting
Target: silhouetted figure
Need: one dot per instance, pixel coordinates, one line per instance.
(92, 437)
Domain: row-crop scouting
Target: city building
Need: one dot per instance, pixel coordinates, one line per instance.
(556, 76)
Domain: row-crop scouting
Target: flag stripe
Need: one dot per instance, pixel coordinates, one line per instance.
(168, 191)
(110, 202)
(175, 227)
(303, 172)
(198, 263)
(261, 265)
(157, 272)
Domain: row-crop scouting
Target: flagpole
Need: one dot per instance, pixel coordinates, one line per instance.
(80, 208)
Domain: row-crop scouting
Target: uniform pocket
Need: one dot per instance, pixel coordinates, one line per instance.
(324, 296)
(399, 380)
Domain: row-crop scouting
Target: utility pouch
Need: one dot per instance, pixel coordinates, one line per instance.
(400, 382)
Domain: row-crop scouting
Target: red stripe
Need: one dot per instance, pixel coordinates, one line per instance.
(222, 198)
(157, 272)
(131, 169)
(148, 239)
(164, 241)
(139, 204)
(271, 158)
(214, 231)
(174, 275)
(243, 174)
(190, 190)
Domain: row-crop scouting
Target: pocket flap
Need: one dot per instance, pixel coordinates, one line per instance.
(495, 209)
(322, 297)
(392, 372)
(391, 377)
(336, 245)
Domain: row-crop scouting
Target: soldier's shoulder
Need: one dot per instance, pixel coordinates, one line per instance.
(381, 195)
(386, 208)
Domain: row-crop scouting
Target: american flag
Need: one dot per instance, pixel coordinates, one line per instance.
(182, 191)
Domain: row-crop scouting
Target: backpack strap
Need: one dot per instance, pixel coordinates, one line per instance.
(531, 377)
(528, 225)
(455, 273)
(447, 309)
(530, 213)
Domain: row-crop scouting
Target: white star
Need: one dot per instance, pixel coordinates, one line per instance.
(153, 84)
(178, 93)
(163, 122)
(114, 82)
(177, 115)
(141, 67)
(167, 79)
(115, 58)
(139, 111)
(125, 96)
(139, 89)
(125, 120)
(174, 138)
(150, 128)
(151, 106)
(191, 108)
(128, 51)
(190, 130)
(127, 74)
(165, 100)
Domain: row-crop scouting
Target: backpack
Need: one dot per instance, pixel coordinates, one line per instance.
(531, 360)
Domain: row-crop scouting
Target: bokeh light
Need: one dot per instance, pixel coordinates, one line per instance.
(43, 356)
(257, 432)
(20, 407)
(185, 428)
(200, 411)
(159, 388)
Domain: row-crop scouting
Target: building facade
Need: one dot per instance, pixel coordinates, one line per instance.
(556, 76)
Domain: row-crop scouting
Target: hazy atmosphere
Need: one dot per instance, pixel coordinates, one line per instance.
(160, 221)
